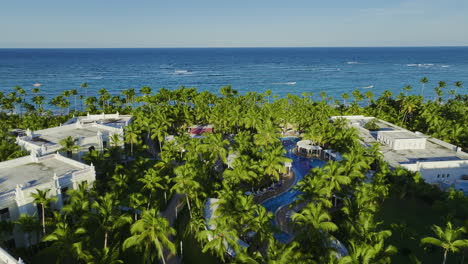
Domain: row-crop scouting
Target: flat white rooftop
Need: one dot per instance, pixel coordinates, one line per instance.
(435, 150)
(400, 134)
(55, 136)
(28, 171)
(112, 120)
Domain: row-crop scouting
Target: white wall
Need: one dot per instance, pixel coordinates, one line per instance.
(19, 200)
(440, 171)
(409, 143)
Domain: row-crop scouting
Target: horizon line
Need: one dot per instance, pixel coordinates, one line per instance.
(245, 47)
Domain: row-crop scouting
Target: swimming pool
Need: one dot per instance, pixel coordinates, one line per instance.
(301, 166)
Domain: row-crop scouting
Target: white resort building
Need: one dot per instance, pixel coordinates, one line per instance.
(21, 177)
(89, 132)
(438, 162)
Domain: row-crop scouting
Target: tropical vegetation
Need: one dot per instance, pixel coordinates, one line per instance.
(149, 198)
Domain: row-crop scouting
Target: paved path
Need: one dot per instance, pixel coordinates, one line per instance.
(176, 204)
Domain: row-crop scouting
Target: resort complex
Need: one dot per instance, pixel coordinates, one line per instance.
(234, 132)
(88, 132)
(181, 176)
(437, 161)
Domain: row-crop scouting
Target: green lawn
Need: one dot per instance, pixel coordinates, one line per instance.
(418, 218)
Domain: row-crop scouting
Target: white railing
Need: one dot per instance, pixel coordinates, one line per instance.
(5, 257)
(7, 196)
(81, 172)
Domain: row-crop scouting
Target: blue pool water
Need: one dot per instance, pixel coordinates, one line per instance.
(301, 166)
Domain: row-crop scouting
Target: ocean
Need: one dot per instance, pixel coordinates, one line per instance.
(282, 70)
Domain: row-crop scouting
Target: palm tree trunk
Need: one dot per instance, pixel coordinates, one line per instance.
(105, 239)
(149, 202)
(162, 254)
(43, 219)
(189, 207)
(445, 256)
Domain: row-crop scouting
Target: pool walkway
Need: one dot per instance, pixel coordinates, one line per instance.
(288, 182)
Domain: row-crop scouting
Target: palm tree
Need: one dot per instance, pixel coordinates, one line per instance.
(150, 235)
(68, 144)
(146, 90)
(267, 135)
(272, 162)
(277, 253)
(333, 172)
(345, 97)
(458, 85)
(115, 140)
(315, 220)
(78, 202)
(101, 256)
(74, 92)
(84, 86)
(369, 95)
(268, 94)
(407, 89)
(160, 124)
(66, 241)
(40, 197)
(137, 201)
(28, 224)
(408, 106)
(107, 217)
(184, 183)
(132, 136)
(447, 239)
(424, 80)
(219, 240)
(38, 100)
(218, 147)
(152, 181)
(368, 253)
(438, 91)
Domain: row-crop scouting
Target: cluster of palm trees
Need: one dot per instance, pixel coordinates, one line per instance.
(124, 217)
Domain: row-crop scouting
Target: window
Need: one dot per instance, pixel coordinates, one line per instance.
(5, 214)
(438, 175)
(104, 144)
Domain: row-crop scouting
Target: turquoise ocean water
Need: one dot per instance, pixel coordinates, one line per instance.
(283, 70)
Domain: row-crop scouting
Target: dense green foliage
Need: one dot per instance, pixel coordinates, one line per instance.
(126, 216)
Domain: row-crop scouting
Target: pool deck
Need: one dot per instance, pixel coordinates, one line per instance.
(286, 186)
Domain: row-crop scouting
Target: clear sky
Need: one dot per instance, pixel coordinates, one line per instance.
(234, 23)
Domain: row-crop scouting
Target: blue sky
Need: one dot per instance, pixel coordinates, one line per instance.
(235, 23)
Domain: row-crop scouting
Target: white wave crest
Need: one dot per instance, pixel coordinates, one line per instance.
(288, 83)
